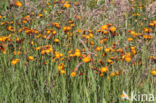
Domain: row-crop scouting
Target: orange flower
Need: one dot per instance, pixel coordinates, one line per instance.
(153, 72)
(60, 66)
(14, 61)
(66, 5)
(30, 58)
(63, 72)
(112, 29)
(104, 69)
(107, 50)
(18, 4)
(117, 73)
(147, 30)
(67, 28)
(112, 74)
(130, 39)
(17, 52)
(56, 40)
(98, 48)
(147, 36)
(11, 28)
(110, 61)
(127, 59)
(77, 52)
(86, 59)
(104, 27)
(3, 39)
(73, 74)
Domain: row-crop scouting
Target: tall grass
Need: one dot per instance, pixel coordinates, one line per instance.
(40, 81)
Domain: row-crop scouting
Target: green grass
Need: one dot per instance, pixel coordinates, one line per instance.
(40, 81)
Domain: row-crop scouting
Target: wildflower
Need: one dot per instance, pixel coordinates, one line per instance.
(3, 39)
(105, 32)
(133, 51)
(63, 72)
(110, 61)
(67, 28)
(39, 15)
(73, 74)
(60, 66)
(11, 28)
(18, 4)
(112, 74)
(92, 43)
(117, 73)
(14, 61)
(101, 74)
(153, 72)
(56, 25)
(124, 95)
(30, 58)
(66, 5)
(54, 32)
(77, 52)
(76, 3)
(86, 59)
(2, 49)
(151, 24)
(104, 69)
(147, 36)
(119, 50)
(104, 27)
(17, 52)
(78, 17)
(130, 39)
(79, 30)
(127, 59)
(133, 33)
(107, 50)
(98, 48)
(112, 29)
(147, 30)
(56, 40)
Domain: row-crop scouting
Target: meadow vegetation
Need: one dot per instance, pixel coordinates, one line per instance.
(76, 51)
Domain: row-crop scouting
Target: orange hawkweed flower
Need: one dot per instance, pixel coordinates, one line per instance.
(130, 39)
(153, 72)
(104, 69)
(147, 36)
(73, 74)
(56, 40)
(77, 52)
(104, 27)
(107, 50)
(117, 72)
(14, 61)
(67, 28)
(86, 59)
(112, 29)
(66, 5)
(98, 48)
(11, 28)
(3, 39)
(127, 59)
(63, 72)
(30, 58)
(147, 30)
(18, 3)
(112, 74)
(60, 66)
